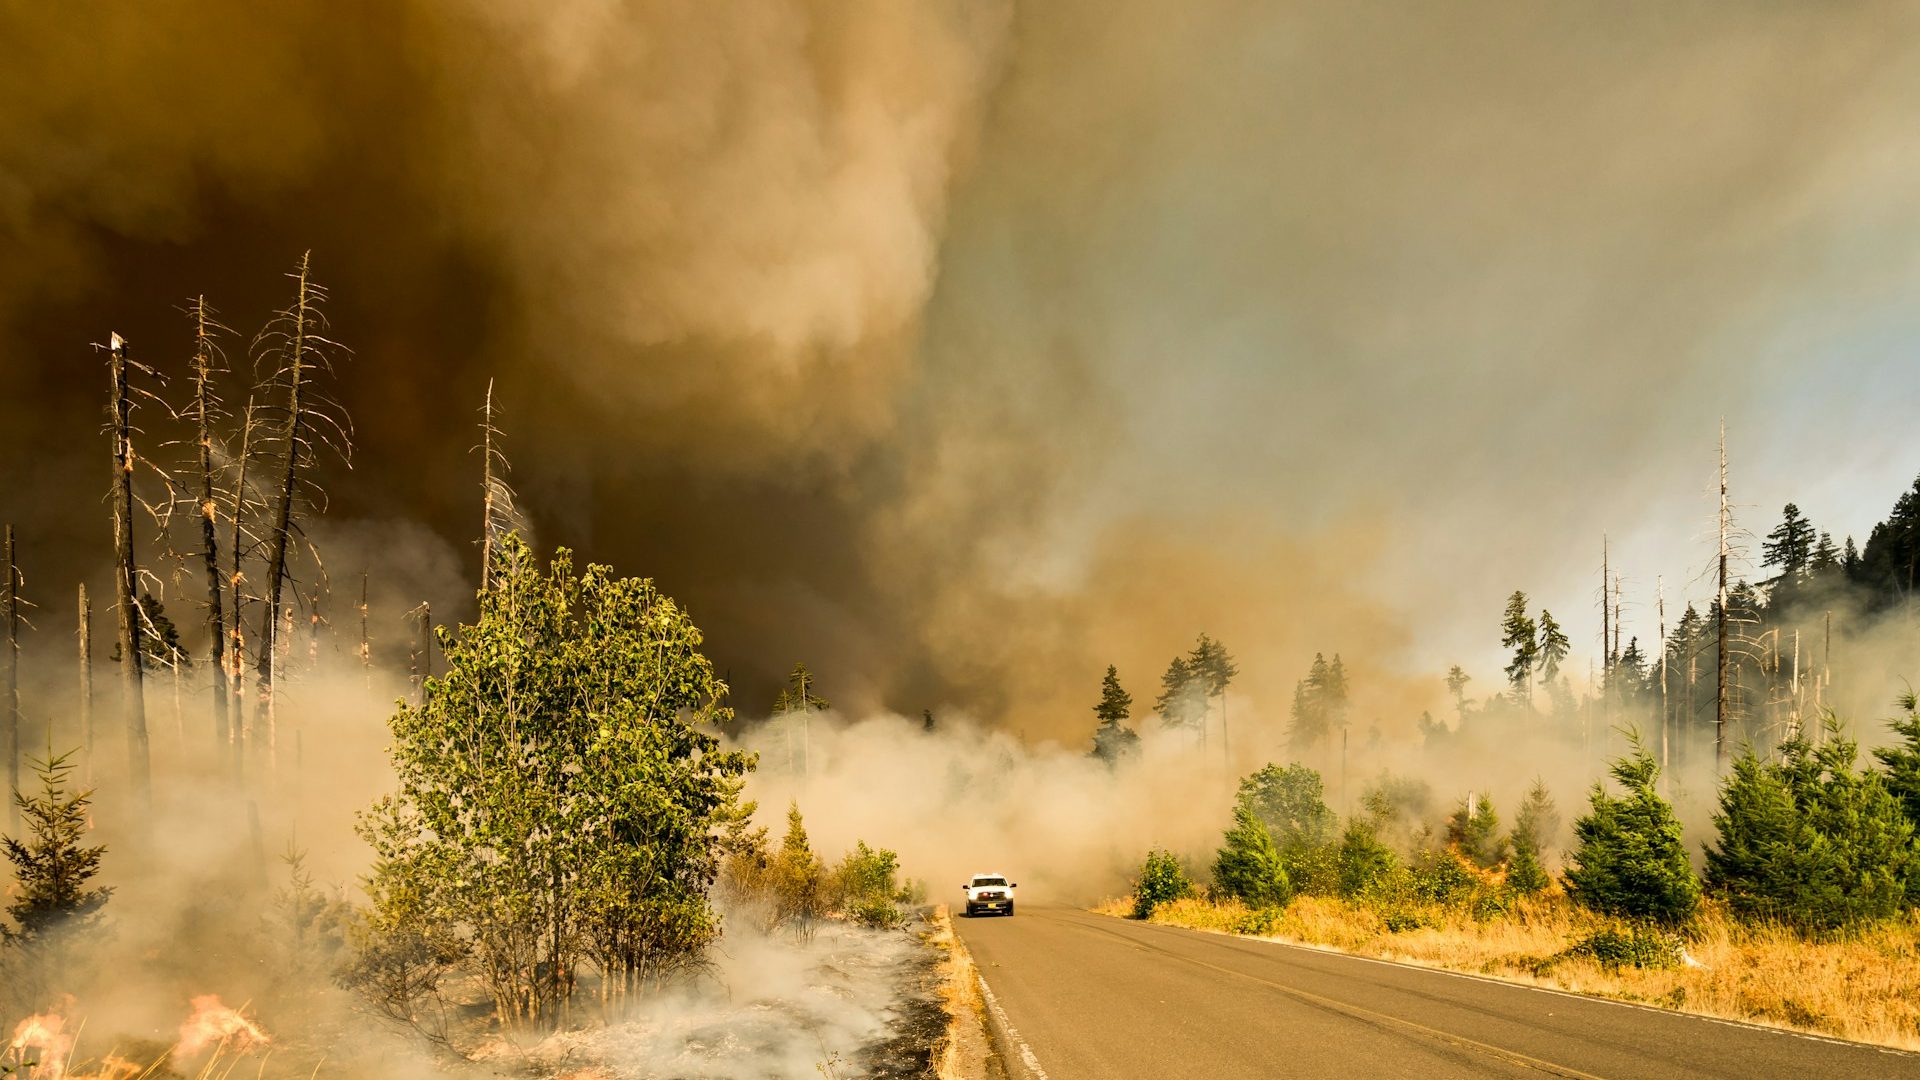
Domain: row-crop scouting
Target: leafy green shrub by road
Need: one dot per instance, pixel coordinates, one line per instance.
(1161, 879)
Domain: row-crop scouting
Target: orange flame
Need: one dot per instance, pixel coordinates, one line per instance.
(46, 1033)
(213, 1024)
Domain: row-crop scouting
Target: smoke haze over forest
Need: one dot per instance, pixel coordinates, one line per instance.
(961, 349)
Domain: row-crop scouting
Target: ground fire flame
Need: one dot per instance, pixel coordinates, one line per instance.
(42, 1047)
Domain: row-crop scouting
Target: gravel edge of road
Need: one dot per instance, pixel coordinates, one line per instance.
(972, 1046)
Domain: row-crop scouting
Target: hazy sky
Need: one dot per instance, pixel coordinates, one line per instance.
(964, 348)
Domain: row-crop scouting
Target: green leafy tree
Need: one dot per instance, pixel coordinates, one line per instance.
(1249, 865)
(1291, 803)
(1628, 857)
(1162, 879)
(867, 887)
(1474, 829)
(1518, 634)
(1810, 841)
(561, 799)
(53, 869)
(1113, 741)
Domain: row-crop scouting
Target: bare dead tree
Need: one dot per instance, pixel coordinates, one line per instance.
(422, 658)
(205, 412)
(125, 577)
(10, 730)
(499, 515)
(241, 506)
(1720, 615)
(300, 354)
(86, 685)
(366, 647)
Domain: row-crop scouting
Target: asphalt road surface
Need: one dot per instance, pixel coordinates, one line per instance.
(1072, 994)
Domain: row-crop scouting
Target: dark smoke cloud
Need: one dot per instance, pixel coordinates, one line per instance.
(962, 348)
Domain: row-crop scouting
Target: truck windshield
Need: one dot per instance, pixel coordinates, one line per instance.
(989, 881)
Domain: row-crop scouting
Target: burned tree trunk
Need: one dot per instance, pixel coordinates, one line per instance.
(10, 733)
(238, 728)
(422, 650)
(498, 516)
(281, 522)
(296, 338)
(86, 685)
(203, 415)
(125, 584)
(1720, 617)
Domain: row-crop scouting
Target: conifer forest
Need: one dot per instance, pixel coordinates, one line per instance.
(596, 541)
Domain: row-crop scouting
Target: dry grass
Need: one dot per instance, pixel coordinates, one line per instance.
(962, 1051)
(1866, 989)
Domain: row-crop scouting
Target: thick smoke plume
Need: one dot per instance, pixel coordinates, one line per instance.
(960, 349)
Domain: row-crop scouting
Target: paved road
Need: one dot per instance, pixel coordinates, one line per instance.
(1075, 994)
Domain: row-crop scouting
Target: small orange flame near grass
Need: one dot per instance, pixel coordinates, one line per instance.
(213, 1024)
(43, 1040)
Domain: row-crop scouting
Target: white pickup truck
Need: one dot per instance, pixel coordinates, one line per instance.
(988, 893)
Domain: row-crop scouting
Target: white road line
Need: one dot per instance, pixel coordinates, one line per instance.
(1013, 1034)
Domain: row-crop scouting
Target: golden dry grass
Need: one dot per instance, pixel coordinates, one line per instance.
(1866, 989)
(960, 1052)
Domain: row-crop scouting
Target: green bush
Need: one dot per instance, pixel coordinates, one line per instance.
(1439, 878)
(1259, 921)
(1490, 902)
(1475, 831)
(1364, 862)
(1249, 866)
(1524, 872)
(1161, 879)
(1638, 947)
(1629, 859)
(866, 885)
(1399, 920)
(1809, 841)
(1290, 802)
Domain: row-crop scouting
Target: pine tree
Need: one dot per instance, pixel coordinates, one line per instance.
(1902, 762)
(799, 878)
(1553, 645)
(1535, 827)
(1629, 858)
(1809, 841)
(1249, 865)
(1474, 829)
(1113, 741)
(1182, 695)
(1519, 635)
(1790, 546)
(1457, 680)
(52, 868)
(1825, 556)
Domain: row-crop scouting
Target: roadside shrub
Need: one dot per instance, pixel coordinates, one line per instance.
(1364, 862)
(1161, 879)
(1809, 841)
(1259, 922)
(1629, 860)
(798, 878)
(1490, 902)
(1475, 831)
(867, 887)
(1637, 947)
(1400, 919)
(1439, 878)
(1525, 873)
(1249, 866)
